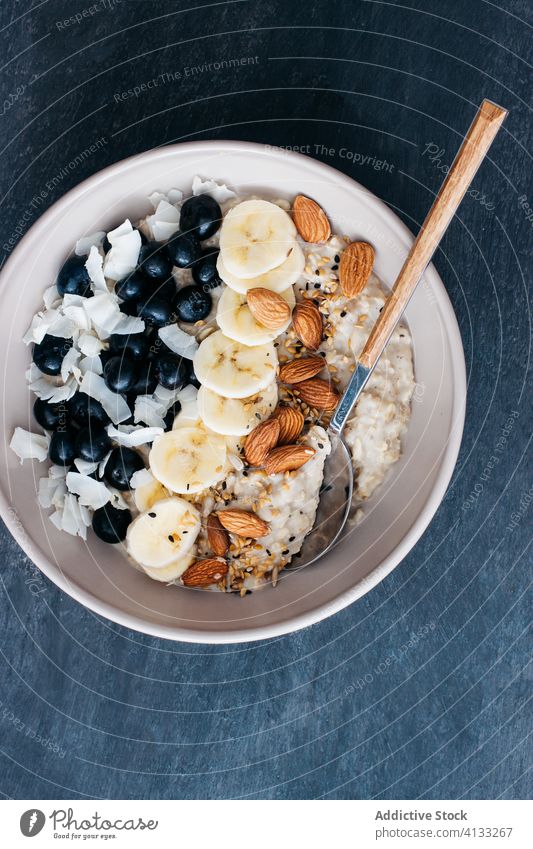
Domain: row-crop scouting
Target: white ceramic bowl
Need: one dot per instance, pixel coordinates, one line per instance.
(95, 574)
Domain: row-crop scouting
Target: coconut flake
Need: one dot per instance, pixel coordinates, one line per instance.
(178, 341)
(121, 260)
(141, 478)
(91, 493)
(132, 438)
(89, 344)
(70, 365)
(155, 199)
(164, 222)
(174, 196)
(218, 191)
(51, 322)
(104, 313)
(117, 499)
(150, 411)
(29, 446)
(51, 492)
(51, 297)
(91, 364)
(84, 467)
(78, 316)
(84, 245)
(57, 519)
(103, 464)
(129, 324)
(70, 300)
(48, 390)
(71, 518)
(114, 405)
(94, 266)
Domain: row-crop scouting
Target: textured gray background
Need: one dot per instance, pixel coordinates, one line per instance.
(88, 709)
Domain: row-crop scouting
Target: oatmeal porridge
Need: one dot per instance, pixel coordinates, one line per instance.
(185, 370)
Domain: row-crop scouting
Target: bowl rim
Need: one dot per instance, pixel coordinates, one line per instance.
(448, 457)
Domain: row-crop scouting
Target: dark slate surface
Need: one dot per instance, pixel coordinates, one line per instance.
(345, 709)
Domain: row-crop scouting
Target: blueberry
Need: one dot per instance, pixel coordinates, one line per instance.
(110, 523)
(92, 443)
(48, 354)
(154, 261)
(171, 414)
(133, 288)
(73, 278)
(192, 303)
(155, 311)
(121, 465)
(165, 289)
(128, 307)
(120, 374)
(202, 215)
(105, 356)
(62, 450)
(172, 371)
(133, 345)
(184, 249)
(205, 272)
(83, 409)
(192, 379)
(156, 346)
(50, 416)
(146, 380)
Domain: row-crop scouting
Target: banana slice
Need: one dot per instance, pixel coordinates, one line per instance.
(278, 279)
(167, 574)
(255, 236)
(188, 460)
(233, 369)
(164, 534)
(146, 495)
(237, 322)
(236, 416)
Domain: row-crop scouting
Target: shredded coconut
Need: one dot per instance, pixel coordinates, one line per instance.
(29, 446)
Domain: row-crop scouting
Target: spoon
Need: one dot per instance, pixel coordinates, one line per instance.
(337, 487)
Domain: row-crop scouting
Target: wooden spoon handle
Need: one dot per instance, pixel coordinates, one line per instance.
(469, 157)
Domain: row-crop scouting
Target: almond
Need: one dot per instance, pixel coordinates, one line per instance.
(218, 537)
(318, 393)
(268, 308)
(310, 219)
(243, 523)
(355, 268)
(204, 572)
(287, 458)
(297, 370)
(261, 440)
(291, 422)
(307, 324)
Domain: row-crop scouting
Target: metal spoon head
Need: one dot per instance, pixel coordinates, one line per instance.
(334, 504)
